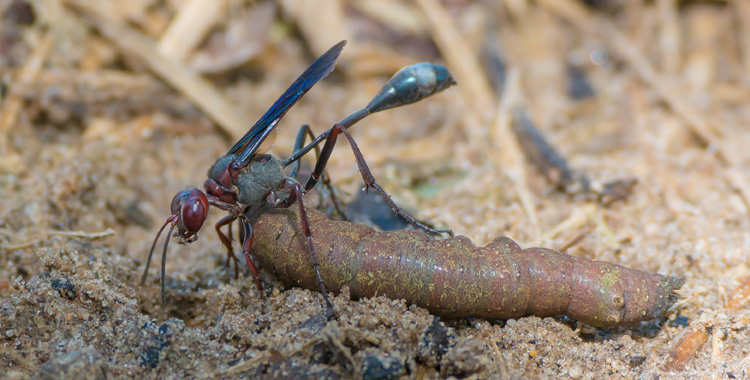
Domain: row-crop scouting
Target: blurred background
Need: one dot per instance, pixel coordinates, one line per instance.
(110, 108)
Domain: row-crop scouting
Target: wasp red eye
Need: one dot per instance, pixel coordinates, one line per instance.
(194, 210)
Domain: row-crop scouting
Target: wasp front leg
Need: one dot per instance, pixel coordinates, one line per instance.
(227, 241)
(246, 244)
(235, 212)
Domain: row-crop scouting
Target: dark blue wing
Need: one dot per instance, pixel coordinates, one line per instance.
(249, 143)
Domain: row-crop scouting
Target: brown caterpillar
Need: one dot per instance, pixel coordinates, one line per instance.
(453, 278)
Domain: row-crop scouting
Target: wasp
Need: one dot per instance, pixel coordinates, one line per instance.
(246, 175)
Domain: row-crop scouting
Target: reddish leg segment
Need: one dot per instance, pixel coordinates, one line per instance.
(305, 131)
(237, 213)
(366, 176)
(227, 241)
(295, 193)
(250, 265)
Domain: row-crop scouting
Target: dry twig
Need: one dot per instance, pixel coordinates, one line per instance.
(202, 93)
(75, 234)
(12, 105)
(577, 15)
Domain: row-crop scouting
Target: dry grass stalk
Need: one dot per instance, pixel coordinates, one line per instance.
(202, 93)
(710, 133)
(189, 27)
(12, 104)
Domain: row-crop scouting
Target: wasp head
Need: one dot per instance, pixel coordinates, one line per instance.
(189, 210)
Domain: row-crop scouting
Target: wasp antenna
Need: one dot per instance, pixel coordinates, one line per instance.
(151, 253)
(163, 263)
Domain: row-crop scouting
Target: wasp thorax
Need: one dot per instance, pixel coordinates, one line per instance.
(219, 170)
(263, 175)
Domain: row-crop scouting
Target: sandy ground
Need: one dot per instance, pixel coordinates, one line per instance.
(86, 155)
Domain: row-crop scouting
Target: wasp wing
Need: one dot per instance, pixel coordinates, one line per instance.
(251, 141)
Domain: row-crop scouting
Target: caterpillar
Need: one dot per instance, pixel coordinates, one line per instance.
(452, 277)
